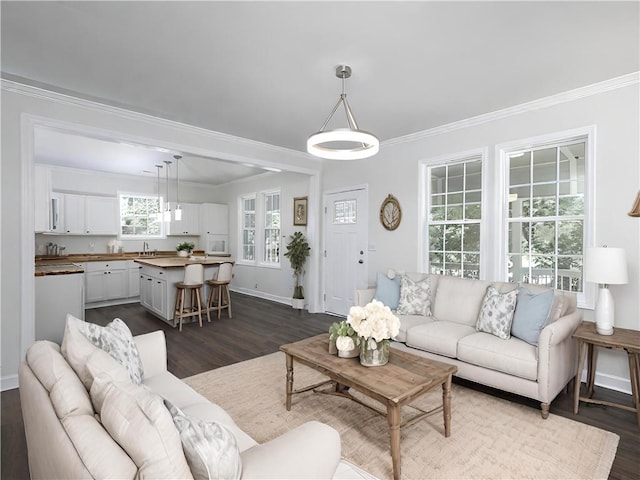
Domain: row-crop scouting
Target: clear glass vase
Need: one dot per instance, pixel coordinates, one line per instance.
(372, 353)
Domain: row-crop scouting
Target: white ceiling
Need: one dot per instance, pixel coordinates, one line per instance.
(265, 70)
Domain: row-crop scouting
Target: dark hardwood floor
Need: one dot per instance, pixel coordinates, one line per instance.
(259, 327)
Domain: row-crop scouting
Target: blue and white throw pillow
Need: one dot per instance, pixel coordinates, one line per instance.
(210, 448)
(387, 290)
(531, 315)
(496, 313)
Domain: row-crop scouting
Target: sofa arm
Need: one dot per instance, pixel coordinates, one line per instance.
(311, 450)
(557, 355)
(153, 352)
(364, 296)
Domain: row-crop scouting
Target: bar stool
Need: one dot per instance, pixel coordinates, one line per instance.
(192, 282)
(220, 285)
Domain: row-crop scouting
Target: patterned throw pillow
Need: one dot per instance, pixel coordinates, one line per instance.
(210, 448)
(496, 313)
(415, 297)
(115, 338)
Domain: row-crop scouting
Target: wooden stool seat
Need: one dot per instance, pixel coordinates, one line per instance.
(193, 282)
(219, 295)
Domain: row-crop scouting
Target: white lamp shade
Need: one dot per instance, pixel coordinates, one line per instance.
(605, 265)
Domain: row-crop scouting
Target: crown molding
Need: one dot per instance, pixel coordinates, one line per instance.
(64, 99)
(545, 102)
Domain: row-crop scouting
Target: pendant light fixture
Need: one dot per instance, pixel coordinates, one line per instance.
(167, 210)
(343, 143)
(178, 210)
(158, 215)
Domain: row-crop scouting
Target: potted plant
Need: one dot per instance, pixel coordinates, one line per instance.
(342, 337)
(185, 248)
(297, 253)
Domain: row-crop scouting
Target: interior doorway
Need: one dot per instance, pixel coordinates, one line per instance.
(346, 239)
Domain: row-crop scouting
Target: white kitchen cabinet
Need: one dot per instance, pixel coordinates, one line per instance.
(215, 218)
(101, 215)
(106, 281)
(153, 294)
(133, 271)
(89, 215)
(42, 188)
(57, 223)
(190, 222)
(55, 297)
(74, 214)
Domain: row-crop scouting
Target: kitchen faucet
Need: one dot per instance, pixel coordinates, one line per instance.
(145, 247)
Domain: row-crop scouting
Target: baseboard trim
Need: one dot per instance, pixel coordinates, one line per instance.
(266, 296)
(611, 382)
(9, 382)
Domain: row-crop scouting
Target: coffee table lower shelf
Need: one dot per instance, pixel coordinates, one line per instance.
(404, 379)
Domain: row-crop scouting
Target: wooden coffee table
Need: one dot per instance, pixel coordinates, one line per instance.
(405, 378)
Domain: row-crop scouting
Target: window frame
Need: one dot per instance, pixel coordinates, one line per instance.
(259, 228)
(263, 253)
(121, 236)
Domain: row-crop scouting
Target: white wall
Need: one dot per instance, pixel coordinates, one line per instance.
(24, 108)
(615, 114)
(273, 283)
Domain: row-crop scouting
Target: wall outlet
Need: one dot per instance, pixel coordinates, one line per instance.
(92, 246)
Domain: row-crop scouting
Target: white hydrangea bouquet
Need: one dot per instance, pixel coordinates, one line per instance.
(375, 324)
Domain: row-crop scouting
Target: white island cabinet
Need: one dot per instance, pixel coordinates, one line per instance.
(158, 278)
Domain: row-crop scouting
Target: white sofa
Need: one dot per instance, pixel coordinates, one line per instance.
(448, 333)
(66, 438)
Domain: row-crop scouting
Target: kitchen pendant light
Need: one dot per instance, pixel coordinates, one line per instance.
(158, 216)
(343, 143)
(178, 211)
(167, 210)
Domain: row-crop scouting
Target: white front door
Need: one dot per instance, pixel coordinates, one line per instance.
(346, 240)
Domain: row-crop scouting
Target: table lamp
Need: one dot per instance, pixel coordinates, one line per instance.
(605, 266)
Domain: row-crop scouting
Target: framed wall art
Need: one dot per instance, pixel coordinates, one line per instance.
(300, 211)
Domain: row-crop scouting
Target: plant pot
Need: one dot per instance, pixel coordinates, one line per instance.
(183, 253)
(297, 303)
(374, 354)
(349, 353)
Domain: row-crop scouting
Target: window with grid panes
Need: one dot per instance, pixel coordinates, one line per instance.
(546, 215)
(139, 216)
(248, 228)
(454, 206)
(271, 202)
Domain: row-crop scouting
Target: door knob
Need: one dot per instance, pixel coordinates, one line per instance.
(360, 261)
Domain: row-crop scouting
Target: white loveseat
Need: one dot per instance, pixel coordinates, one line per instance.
(67, 439)
(446, 330)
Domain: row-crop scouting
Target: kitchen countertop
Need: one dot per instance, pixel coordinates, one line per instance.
(178, 262)
(98, 257)
(58, 269)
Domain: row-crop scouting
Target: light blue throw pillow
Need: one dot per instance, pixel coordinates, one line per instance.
(388, 290)
(531, 315)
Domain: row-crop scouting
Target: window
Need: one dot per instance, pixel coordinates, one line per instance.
(546, 215)
(454, 206)
(344, 211)
(271, 227)
(524, 215)
(139, 216)
(260, 228)
(248, 228)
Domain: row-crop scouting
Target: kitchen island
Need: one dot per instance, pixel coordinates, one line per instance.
(159, 275)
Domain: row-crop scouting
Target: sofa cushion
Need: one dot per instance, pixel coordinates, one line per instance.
(415, 297)
(531, 315)
(210, 448)
(388, 290)
(66, 392)
(82, 339)
(438, 337)
(458, 299)
(171, 388)
(513, 356)
(138, 420)
(496, 312)
(410, 321)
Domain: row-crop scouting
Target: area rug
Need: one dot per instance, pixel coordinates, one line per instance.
(490, 438)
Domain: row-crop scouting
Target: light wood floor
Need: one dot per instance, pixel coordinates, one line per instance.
(259, 327)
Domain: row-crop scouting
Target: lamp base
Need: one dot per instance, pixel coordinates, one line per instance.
(604, 312)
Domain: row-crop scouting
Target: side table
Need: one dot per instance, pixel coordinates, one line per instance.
(622, 338)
